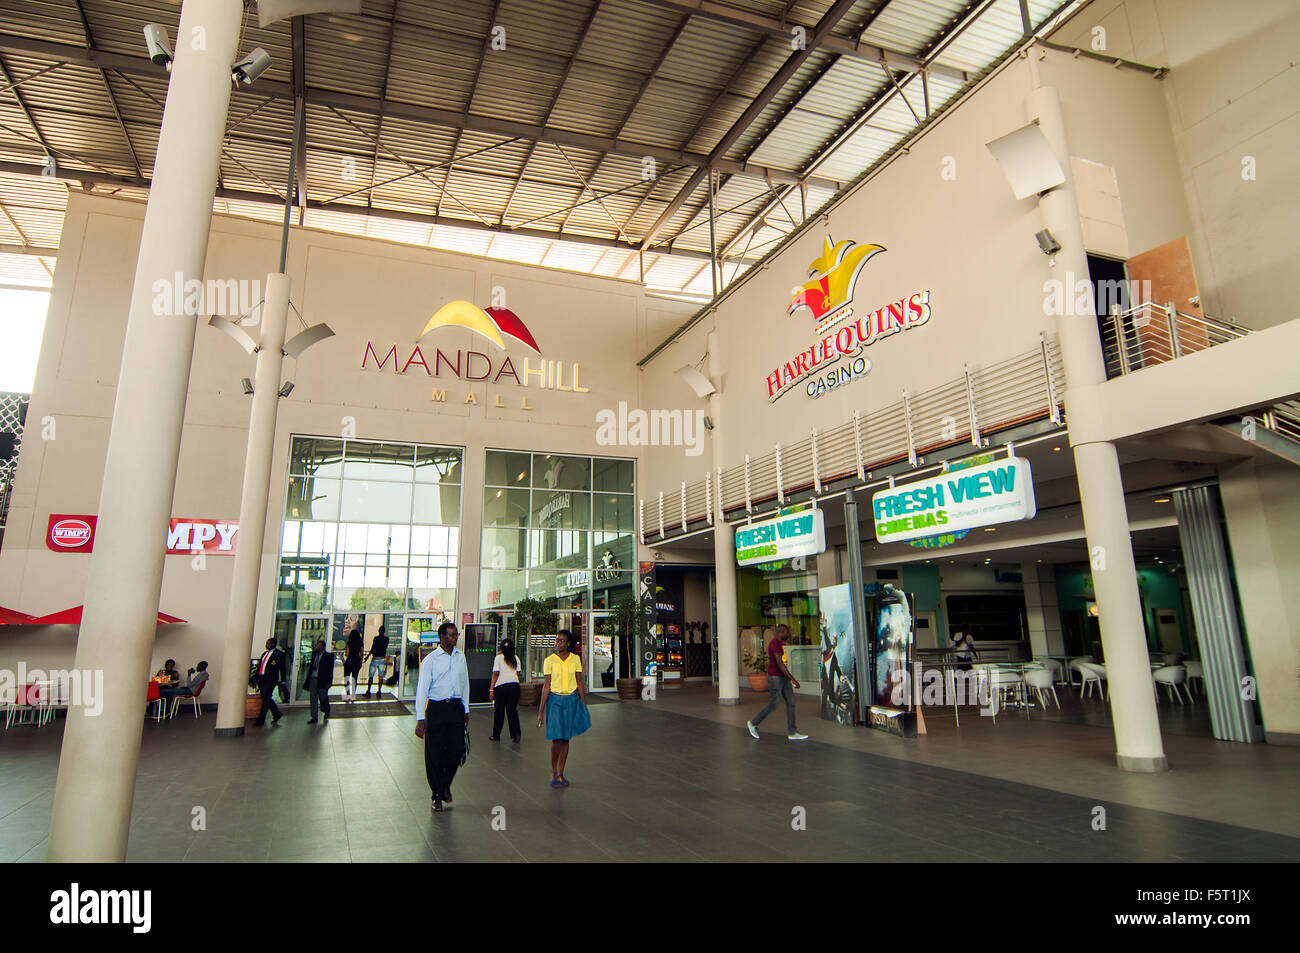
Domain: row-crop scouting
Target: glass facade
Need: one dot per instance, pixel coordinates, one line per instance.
(371, 533)
(560, 529)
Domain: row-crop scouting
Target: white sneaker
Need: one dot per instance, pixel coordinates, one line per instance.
(753, 730)
(797, 737)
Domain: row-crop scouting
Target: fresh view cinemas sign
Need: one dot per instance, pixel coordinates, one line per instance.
(76, 534)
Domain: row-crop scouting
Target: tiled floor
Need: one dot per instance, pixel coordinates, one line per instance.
(678, 779)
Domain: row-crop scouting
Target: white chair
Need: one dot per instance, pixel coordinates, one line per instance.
(996, 683)
(1052, 665)
(1172, 676)
(1194, 673)
(1075, 669)
(177, 699)
(1042, 680)
(1092, 673)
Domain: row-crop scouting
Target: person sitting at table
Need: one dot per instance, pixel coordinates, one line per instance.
(168, 674)
(196, 677)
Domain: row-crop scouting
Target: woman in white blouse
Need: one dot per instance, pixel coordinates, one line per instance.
(504, 691)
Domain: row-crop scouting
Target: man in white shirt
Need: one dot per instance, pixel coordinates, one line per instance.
(442, 712)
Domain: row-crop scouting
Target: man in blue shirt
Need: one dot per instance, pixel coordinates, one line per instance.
(442, 712)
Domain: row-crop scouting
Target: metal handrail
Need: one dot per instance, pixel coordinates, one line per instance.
(964, 411)
(1223, 324)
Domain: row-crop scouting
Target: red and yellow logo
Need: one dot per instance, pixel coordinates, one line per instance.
(490, 323)
(832, 278)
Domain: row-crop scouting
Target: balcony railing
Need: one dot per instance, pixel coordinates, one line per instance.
(1020, 390)
(1149, 333)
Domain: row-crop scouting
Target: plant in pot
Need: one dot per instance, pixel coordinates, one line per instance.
(756, 669)
(626, 618)
(531, 616)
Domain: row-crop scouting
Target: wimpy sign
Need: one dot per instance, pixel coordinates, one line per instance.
(76, 534)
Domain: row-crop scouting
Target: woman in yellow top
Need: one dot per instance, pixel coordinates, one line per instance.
(563, 706)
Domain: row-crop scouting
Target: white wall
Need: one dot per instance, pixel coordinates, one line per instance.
(1232, 95)
(365, 290)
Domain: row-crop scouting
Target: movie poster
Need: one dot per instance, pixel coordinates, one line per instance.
(838, 671)
(891, 648)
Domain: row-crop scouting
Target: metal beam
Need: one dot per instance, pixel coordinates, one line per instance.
(780, 27)
(401, 215)
(375, 107)
(112, 100)
(299, 75)
(755, 108)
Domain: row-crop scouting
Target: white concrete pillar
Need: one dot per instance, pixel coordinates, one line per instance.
(97, 765)
(1138, 746)
(252, 509)
(724, 546)
(728, 634)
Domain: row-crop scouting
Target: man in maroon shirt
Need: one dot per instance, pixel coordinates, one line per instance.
(780, 684)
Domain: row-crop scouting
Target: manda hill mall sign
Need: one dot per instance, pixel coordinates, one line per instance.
(798, 533)
(998, 492)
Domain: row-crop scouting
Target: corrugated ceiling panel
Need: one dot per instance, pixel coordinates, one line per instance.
(430, 68)
(465, 240)
(629, 35)
(796, 139)
(347, 53)
(26, 270)
(910, 26)
(572, 257)
(595, 100)
(986, 39)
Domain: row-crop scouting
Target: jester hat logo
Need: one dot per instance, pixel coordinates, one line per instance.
(490, 323)
(832, 277)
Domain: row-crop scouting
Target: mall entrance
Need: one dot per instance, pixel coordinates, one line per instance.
(410, 636)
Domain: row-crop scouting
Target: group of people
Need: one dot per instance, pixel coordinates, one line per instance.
(442, 706)
(169, 679)
(271, 671)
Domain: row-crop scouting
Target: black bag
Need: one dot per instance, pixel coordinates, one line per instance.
(284, 693)
(465, 757)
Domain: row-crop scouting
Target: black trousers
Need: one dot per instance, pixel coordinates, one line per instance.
(268, 702)
(505, 703)
(444, 743)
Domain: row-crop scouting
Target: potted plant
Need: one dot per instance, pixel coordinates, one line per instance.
(756, 669)
(626, 618)
(531, 616)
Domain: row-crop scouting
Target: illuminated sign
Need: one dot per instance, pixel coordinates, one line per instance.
(798, 533)
(828, 297)
(999, 492)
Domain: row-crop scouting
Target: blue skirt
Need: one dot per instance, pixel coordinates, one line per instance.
(566, 717)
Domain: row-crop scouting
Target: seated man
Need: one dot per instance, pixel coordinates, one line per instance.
(196, 677)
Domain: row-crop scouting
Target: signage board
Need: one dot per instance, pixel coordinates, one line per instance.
(798, 533)
(998, 492)
(76, 534)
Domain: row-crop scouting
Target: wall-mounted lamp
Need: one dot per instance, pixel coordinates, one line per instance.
(286, 388)
(702, 386)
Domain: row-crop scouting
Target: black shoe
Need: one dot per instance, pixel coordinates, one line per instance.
(259, 724)
(311, 721)
(515, 739)
(446, 795)
(437, 805)
(275, 719)
(327, 717)
(494, 737)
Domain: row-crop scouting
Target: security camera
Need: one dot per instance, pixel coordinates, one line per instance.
(1047, 242)
(160, 49)
(251, 66)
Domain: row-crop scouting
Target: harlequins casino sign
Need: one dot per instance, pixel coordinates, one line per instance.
(494, 324)
(840, 336)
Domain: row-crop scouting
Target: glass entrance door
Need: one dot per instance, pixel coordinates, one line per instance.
(601, 661)
(308, 630)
